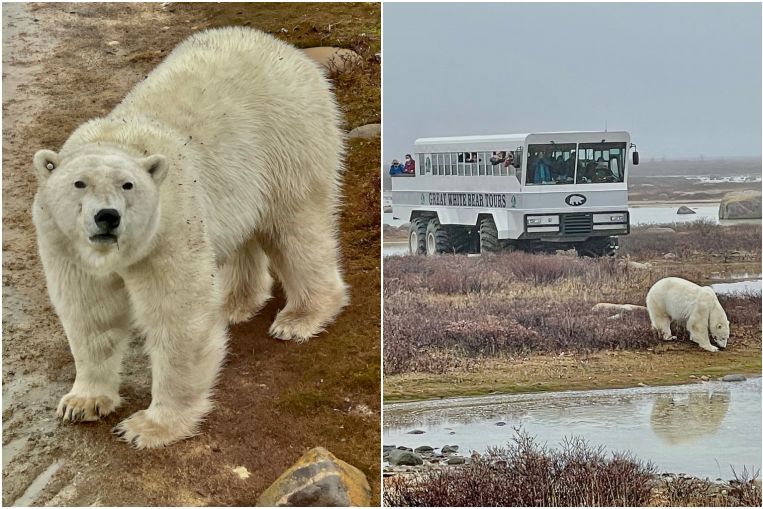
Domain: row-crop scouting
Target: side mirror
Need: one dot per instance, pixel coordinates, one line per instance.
(635, 158)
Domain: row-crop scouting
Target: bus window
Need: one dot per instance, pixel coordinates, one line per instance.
(600, 163)
(552, 163)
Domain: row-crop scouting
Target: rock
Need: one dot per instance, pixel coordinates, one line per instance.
(416, 432)
(741, 205)
(456, 460)
(318, 479)
(669, 256)
(734, 378)
(704, 378)
(112, 43)
(449, 448)
(387, 448)
(242, 472)
(367, 131)
(404, 448)
(660, 229)
(398, 457)
(500, 423)
(333, 58)
(683, 209)
(606, 306)
(423, 449)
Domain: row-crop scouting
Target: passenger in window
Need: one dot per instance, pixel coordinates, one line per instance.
(509, 160)
(396, 168)
(498, 158)
(542, 173)
(410, 165)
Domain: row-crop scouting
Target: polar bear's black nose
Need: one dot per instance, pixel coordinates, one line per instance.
(107, 219)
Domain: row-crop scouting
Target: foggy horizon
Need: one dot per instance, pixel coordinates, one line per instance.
(683, 79)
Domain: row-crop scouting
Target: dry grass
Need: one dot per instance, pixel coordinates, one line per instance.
(691, 239)
(443, 313)
(527, 474)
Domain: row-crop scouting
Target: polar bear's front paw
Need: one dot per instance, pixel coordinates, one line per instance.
(78, 408)
(143, 431)
(709, 347)
(294, 325)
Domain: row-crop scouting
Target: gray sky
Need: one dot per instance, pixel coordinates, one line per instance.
(684, 79)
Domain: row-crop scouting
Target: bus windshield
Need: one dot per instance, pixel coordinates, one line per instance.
(570, 163)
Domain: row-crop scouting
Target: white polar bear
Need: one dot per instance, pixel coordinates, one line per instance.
(167, 214)
(673, 299)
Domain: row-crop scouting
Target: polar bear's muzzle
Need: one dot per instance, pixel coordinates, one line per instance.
(107, 221)
(716, 342)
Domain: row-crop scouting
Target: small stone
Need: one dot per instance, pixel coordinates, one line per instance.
(404, 448)
(734, 378)
(685, 210)
(456, 460)
(416, 432)
(669, 256)
(112, 43)
(449, 449)
(398, 457)
(705, 378)
(500, 423)
(242, 472)
(367, 131)
(423, 449)
(387, 448)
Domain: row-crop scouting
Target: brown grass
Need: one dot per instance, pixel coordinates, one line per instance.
(527, 474)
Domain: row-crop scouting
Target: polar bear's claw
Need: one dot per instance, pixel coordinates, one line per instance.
(143, 432)
(291, 325)
(75, 408)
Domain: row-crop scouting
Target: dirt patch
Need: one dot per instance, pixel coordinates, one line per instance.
(275, 400)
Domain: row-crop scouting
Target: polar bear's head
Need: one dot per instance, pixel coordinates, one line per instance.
(718, 324)
(104, 201)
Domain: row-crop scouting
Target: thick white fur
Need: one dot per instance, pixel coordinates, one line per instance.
(673, 299)
(234, 150)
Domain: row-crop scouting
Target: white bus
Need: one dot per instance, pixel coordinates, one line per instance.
(537, 192)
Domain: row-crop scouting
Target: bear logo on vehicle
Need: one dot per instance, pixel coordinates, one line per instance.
(423, 199)
(575, 200)
(513, 201)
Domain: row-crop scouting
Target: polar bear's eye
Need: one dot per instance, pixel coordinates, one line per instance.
(79, 184)
(127, 186)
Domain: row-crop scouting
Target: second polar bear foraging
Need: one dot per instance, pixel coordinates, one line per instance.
(673, 299)
(168, 214)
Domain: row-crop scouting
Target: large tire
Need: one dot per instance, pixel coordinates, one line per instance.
(600, 246)
(459, 239)
(489, 242)
(438, 240)
(417, 233)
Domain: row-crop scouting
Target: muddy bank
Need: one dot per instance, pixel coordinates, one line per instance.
(275, 400)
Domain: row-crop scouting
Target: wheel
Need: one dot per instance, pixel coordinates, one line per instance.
(489, 236)
(593, 248)
(438, 240)
(459, 238)
(417, 233)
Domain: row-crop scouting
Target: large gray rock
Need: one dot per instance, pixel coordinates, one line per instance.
(398, 457)
(734, 378)
(741, 205)
(318, 479)
(683, 209)
(367, 131)
(333, 58)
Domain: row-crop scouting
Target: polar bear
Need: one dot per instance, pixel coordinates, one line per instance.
(673, 299)
(167, 215)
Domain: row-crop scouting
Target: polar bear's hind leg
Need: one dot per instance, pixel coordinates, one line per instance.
(661, 323)
(306, 260)
(247, 282)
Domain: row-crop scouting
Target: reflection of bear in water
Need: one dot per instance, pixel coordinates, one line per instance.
(684, 420)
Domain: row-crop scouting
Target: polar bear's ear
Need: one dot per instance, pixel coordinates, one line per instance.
(156, 166)
(45, 162)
